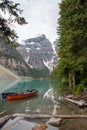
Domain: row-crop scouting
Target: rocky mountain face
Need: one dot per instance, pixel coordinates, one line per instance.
(56, 45)
(35, 58)
(11, 59)
(38, 53)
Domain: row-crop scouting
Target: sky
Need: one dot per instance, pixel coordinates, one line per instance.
(42, 18)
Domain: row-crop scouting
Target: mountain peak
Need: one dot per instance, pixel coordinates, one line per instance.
(40, 36)
(38, 52)
(37, 39)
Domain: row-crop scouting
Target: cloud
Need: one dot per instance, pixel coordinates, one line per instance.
(42, 18)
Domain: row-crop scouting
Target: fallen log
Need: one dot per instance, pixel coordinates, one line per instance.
(55, 122)
(76, 116)
(6, 118)
(2, 112)
(80, 103)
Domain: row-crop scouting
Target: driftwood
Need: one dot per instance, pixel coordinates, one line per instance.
(76, 116)
(56, 122)
(5, 118)
(2, 112)
(80, 103)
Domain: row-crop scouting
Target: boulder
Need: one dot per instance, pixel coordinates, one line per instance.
(40, 127)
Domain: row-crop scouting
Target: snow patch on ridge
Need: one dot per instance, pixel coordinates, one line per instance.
(38, 48)
(27, 49)
(49, 65)
(54, 49)
(27, 59)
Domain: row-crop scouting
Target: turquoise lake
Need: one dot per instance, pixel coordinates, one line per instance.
(49, 96)
(34, 104)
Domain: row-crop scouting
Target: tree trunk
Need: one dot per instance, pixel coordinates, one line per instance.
(73, 80)
(70, 84)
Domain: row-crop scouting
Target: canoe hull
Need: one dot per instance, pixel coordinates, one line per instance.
(5, 94)
(21, 96)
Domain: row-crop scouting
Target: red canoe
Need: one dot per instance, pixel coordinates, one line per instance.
(21, 95)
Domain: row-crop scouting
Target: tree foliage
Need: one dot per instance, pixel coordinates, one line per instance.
(72, 52)
(11, 9)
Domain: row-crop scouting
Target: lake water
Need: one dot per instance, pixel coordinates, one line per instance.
(34, 104)
(48, 98)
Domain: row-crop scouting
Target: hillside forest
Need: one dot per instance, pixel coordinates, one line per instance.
(71, 69)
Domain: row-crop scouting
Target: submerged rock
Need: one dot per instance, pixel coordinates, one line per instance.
(40, 127)
(55, 121)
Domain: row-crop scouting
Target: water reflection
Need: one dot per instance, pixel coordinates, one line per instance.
(4, 85)
(48, 101)
(49, 94)
(24, 85)
(30, 105)
(27, 109)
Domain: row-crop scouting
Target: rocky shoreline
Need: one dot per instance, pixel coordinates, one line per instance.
(6, 74)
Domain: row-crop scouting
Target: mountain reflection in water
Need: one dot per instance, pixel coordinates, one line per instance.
(36, 104)
(48, 101)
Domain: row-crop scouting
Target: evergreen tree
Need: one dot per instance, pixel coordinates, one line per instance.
(72, 52)
(10, 8)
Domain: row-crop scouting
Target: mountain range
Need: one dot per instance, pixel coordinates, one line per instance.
(35, 57)
(38, 52)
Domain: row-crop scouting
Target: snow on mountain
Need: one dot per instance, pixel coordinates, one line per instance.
(49, 65)
(39, 52)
